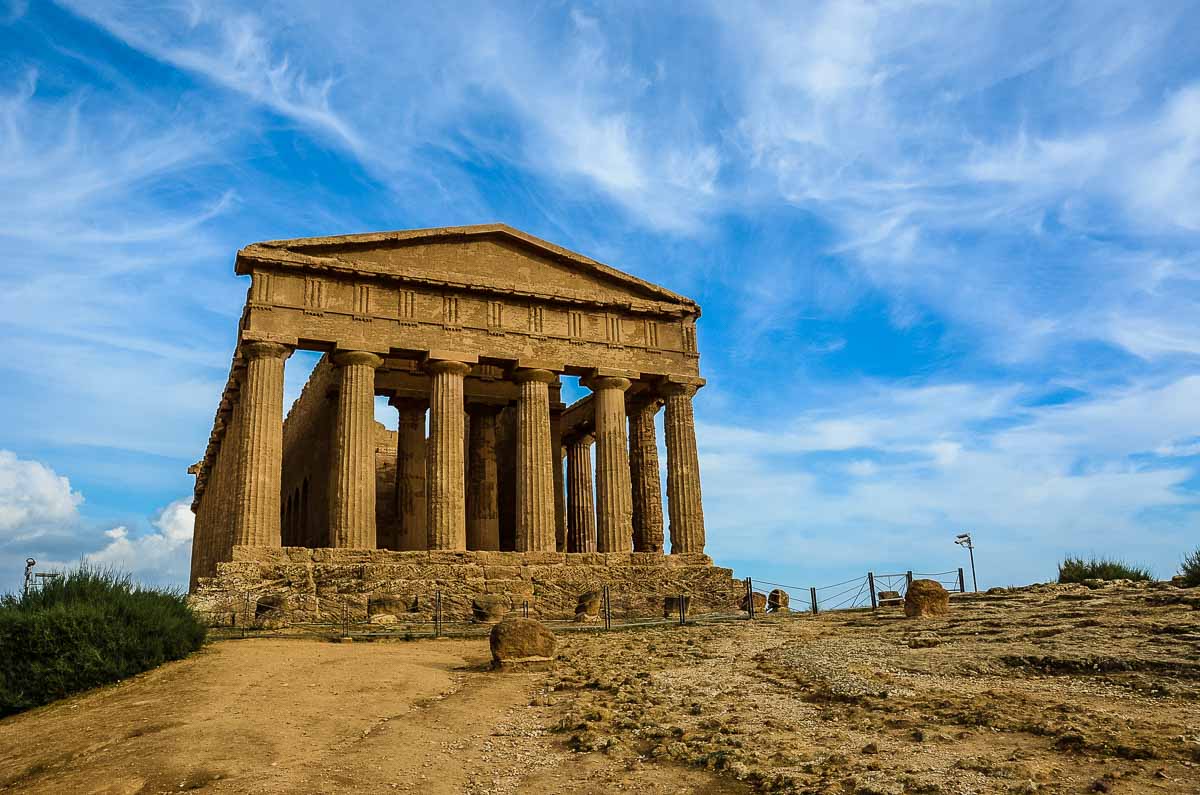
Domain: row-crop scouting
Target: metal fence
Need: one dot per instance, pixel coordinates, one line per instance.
(871, 590)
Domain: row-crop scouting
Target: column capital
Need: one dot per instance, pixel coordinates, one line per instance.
(673, 389)
(344, 358)
(598, 382)
(265, 350)
(407, 402)
(448, 366)
(524, 374)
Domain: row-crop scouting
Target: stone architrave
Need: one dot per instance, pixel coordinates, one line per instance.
(581, 508)
(410, 472)
(684, 508)
(535, 470)
(614, 499)
(483, 512)
(352, 514)
(260, 446)
(644, 474)
(447, 523)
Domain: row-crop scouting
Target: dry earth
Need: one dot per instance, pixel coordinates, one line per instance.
(1048, 689)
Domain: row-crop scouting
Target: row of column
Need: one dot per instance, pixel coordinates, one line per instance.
(628, 510)
(457, 514)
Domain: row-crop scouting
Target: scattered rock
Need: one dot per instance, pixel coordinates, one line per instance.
(588, 608)
(889, 595)
(871, 748)
(384, 618)
(671, 605)
(996, 591)
(760, 602)
(522, 643)
(778, 600)
(926, 598)
(390, 604)
(927, 641)
(490, 608)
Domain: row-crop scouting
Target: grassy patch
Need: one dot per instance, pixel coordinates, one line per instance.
(87, 628)
(1079, 569)
(1190, 569)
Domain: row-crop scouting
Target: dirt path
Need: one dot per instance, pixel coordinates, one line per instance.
(276, 716)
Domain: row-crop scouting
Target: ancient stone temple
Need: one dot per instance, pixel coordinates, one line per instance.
(488, 486)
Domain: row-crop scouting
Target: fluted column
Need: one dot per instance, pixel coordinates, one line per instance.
(535, 472)
(447, 525)
(684, 508)
(352, 514)
(556, 460)
(643, 472)
(581, 508)
(411, 512)
(483, 513)
(260, 451)
(614, 500)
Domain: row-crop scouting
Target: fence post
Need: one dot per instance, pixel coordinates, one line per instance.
(607, 609)
(750, 597)
(812, 593)
(962, 583)
(871, 585)
(681, 618)
(437, 613)
(908, 579)
(345, 618)
(245, 611)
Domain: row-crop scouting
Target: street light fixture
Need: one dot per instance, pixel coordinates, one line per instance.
(29, 564)
(964, 540)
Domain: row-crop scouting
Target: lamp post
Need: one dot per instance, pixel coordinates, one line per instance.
(29, 564)
(964, 540)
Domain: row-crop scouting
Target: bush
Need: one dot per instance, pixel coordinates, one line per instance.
(1078, 570)
(1190, 570)
(87, 628)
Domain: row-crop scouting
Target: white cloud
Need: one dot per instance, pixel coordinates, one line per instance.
(162, 555)
(34, 499)
(1033, 482)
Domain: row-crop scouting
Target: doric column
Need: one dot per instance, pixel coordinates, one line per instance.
(556, 460)
(260, 448)
(352, 514)
(614, 500)
(447, 526)
(684, 508)
(535, 471)
(410, 472)
(581, 509)
(643, 472)
(483, 513)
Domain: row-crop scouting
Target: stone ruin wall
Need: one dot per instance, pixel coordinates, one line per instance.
(297, 585)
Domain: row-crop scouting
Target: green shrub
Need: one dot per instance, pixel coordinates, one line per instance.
(1078, 570)
(87, 628)
(1191, 569)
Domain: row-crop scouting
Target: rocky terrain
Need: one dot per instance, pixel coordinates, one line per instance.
(1044, 689)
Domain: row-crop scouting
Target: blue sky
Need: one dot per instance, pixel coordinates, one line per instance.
(947, 252)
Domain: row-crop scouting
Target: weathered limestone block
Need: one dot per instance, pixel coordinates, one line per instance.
(588, 606)
(778, 600)
(522, 643)
(489, 609)
(671, 605)
(926, 599)
(760, 602)
(890, 596)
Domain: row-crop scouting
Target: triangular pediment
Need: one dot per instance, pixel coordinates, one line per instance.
(492, 256)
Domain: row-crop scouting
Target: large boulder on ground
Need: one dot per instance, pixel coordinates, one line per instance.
(893, 596)
(522, 643)
(760, 602)
(926, 599)
(671, 605)
(778, 600)
(490, 608)
(588, 607)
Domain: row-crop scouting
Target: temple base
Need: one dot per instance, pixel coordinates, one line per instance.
(298, 584)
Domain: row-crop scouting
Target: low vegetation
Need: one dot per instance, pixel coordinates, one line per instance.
(87, 628)
(1190, 569)
(1079, 569)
